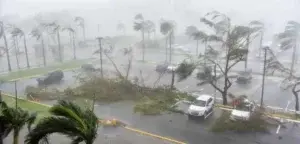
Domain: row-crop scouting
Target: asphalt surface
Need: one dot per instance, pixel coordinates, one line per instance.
(178, 126)
(105, 135)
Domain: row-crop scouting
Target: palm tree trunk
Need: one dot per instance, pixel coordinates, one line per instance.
(166, 48)
(197, 52)
(170, 44)
(296, 100)
(44, 52)
(293, 60)
(101, 62)
(26, 52)
(16, 137)
(260, 43)
(74, 47)
(59, 47)
(16, 51)
(143, 41)
(7, 51)
(246, 58)
(173, 79)
(83, 32)
(205, 51)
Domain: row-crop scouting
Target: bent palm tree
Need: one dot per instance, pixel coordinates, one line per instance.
(37, 33)
(149, 27)
(139, 25)
(289, 39)
(121, 27)
(55, 28)
(2, 34)
(68, 119)
(72, 39)
(81, 23)
(16, 119)
(17, 32)
(166, 28)
(259, 27)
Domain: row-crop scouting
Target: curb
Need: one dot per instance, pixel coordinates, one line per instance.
(112, 122)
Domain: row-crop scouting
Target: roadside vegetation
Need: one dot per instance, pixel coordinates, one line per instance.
(257, 123)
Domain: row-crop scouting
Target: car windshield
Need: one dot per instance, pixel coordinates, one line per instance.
(243, 107)
(200, 103)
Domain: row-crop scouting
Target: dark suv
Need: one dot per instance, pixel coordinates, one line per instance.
(51, 77)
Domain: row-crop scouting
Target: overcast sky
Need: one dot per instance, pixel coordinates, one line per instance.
(274, 13)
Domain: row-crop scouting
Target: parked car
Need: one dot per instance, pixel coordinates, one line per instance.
(242, 111)
(51, 77)
(201, 107)
(165, 67)
(88, 67)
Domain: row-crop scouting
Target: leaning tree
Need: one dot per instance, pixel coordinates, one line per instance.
(289, 40)
(229, 49)
(2, 34)
(167, 29)
(81, 23)
(72, 34)
(139, 25)
(17, 32)
(54, 28)
(37, 33)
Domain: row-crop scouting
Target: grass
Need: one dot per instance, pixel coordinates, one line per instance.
(43, 70)
(41, 110)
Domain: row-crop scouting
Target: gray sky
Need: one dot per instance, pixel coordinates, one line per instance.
(274, 13)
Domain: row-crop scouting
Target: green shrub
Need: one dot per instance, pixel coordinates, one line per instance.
(256, 124)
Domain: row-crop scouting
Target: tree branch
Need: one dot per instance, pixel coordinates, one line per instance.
(215, 86)
(219, 66)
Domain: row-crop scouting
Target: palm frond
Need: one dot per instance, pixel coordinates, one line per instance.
(138, 26)
(190, 30)
(139, 17)
(184, 70)
(51, 125)
(166, 27)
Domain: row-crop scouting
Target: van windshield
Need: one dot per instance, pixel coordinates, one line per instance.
(200, 103)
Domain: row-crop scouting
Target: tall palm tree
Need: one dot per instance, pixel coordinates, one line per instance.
(166, 28)
(121, 27)
(2, 34)
(55, 29)
(15, 43)
(81, 23)
(17, 32)
(139, 25)
(259, 28)
(190, 30)
(289, 39)
(149, 27)
(38, 34)
(69, 119)
(72, 39)
(16, 119)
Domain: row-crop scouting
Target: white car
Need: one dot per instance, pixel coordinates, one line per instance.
(201, 107)
(242, 112)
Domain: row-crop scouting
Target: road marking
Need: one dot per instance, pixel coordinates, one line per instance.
(154, 135)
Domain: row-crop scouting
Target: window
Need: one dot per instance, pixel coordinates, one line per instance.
(200, 103)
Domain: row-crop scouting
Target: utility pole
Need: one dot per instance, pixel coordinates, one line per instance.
(100, 48)
(264, 75)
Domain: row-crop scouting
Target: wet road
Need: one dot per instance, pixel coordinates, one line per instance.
(178, 126)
